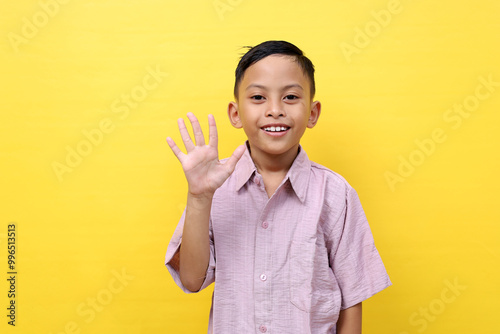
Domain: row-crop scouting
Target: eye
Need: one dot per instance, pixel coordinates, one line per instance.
(257, 97)
(291, 97)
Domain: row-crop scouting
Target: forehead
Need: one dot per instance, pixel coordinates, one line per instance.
(275, 70)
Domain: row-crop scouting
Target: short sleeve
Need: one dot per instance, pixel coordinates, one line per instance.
(173, 248)
(356, 263)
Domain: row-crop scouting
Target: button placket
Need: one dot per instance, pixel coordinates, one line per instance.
(262, 268)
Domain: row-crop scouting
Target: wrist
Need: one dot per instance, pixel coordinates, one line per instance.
(200, 201)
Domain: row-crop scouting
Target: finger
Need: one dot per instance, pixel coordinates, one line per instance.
(212, 134)
(198, 133)
(230, 164)
(186, 138)
(178, 153)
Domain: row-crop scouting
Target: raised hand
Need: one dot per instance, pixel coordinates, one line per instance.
(204, 172)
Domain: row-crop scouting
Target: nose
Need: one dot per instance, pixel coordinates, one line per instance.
(275, 109)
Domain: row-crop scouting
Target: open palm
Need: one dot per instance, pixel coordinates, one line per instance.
(204, 172)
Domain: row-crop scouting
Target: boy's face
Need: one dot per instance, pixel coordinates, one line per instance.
(274, 106)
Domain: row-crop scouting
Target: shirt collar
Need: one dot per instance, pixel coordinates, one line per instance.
(245, 168)
(298, 175)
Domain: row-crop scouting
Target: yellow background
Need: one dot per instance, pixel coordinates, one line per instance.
(115, 211)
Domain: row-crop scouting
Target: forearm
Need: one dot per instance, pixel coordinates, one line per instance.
(194, 253)
(350, 320)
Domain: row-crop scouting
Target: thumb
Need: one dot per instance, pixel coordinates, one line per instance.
(230, 164)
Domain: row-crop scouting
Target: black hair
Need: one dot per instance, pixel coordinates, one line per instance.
(265, 49)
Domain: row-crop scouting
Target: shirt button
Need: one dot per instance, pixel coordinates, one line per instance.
(263, 277)
(265, 224)
(263, 329)
(257, 181)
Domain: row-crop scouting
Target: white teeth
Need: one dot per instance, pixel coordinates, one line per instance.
(275, 128)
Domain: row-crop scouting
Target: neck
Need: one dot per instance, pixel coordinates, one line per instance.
(267, 163)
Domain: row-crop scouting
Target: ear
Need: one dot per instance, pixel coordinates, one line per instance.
(234, 115)
(315, 112)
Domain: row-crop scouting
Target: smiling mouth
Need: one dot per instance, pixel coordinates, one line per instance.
(275, 128)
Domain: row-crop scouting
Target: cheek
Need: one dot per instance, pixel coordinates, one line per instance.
(302, 114)
(250, 113)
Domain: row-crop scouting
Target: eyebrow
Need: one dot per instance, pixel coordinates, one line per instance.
(265, 88)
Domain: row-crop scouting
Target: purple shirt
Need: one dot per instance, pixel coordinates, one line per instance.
(289, 263)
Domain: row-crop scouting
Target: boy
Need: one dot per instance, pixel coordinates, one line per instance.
(284, 239)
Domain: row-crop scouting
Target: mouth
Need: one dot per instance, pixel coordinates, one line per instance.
(276, 128)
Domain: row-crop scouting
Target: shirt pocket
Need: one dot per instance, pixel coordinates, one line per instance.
(313, 287)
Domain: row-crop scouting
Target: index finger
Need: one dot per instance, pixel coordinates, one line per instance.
(212, 132)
